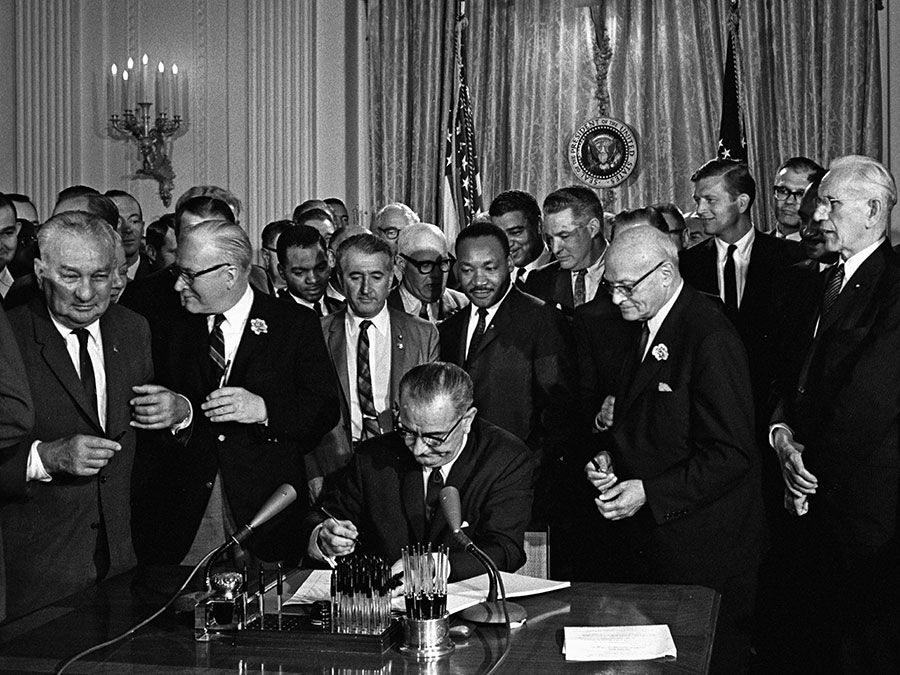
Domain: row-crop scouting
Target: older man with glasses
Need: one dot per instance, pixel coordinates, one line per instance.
(424, 261)
(791, 181)
(388, 497)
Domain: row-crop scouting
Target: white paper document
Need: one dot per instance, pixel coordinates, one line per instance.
(460, 594)
(618, 643)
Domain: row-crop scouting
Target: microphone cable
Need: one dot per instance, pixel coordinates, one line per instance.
(62, 667)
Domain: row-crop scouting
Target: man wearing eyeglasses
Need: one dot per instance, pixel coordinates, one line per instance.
(424, 261)
(391, 220)
(263, 394)
(679, 472)
(837, 430)
(790, 181)
(389, 495)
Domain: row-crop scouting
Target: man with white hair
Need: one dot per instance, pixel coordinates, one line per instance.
(837, 430)
(424, 261)
(390, 221)
(679, 467)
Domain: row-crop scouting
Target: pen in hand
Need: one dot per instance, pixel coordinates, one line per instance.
(335, 518)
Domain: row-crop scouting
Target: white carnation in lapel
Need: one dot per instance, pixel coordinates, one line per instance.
(660, 352)
(258, 326)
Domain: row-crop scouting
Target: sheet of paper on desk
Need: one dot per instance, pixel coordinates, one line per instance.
(461, 594)
(618, 643)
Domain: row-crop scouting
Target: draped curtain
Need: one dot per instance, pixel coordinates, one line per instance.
(811, 74)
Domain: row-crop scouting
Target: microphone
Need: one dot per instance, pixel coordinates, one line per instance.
(489, 611)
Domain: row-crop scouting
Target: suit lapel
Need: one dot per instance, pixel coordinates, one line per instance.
(252, 341)
(56, 356)
(337, 345)
(400, 355)
(458, 478)
(563, 291)
(413, 492)
(116, 408)
(504, 316)
(709, 269)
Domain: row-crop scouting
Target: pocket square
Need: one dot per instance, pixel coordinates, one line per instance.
(664, 387)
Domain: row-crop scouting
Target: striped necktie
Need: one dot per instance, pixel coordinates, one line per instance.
(364, 384)
(217, 351)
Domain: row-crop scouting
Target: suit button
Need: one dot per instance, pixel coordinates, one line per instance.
(801, 390)
(95, 526)
(102, 479)
(221, 437)
(209, 486)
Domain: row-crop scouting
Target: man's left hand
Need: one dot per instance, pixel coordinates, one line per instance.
(156, 407)
(622, 500)
(235, 404)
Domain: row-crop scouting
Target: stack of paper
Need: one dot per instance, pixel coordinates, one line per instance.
(618, 643)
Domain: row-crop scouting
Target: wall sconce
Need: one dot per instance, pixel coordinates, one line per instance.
(137, 91)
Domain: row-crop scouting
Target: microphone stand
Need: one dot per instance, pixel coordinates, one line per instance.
(490, 611)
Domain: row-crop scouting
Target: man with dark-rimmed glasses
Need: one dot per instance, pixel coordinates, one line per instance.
(388, 497)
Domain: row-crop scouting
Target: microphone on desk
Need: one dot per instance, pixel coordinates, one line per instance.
(489, 611)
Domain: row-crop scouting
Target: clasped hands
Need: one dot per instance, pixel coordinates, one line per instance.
(617, 500)
(799, 483)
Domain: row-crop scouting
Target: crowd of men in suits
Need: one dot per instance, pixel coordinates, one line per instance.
(694, 400)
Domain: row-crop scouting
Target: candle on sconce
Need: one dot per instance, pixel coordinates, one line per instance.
(126, 95)
(176, 91)
(160, 92)
(110, 91)
(116, 100)
(145, 80)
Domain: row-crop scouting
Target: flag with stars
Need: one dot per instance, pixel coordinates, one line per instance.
(732, 139)
(461, 194)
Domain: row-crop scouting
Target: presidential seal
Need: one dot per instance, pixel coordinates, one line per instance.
(603, 152)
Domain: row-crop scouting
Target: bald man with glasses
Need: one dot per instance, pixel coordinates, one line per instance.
(388, 497)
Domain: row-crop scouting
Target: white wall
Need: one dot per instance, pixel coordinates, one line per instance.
(273, 98)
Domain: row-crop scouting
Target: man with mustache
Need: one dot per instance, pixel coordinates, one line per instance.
(519, 352)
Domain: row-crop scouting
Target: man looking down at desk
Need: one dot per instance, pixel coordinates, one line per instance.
(389, 495)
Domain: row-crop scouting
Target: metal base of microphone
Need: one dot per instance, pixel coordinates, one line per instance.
(492, 612)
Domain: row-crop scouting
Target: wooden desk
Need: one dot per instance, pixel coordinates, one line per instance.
(37, 642)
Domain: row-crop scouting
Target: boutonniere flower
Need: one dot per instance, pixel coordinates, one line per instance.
(660, 352)
(258, 326)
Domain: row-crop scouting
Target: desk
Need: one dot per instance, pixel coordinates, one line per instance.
(37, 642)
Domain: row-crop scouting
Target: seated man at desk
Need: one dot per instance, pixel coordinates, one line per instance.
(388, 497)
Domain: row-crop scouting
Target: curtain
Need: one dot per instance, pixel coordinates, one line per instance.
(811, 74)
(410, 53)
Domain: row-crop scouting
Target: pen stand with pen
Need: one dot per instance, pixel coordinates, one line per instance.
(426, 627)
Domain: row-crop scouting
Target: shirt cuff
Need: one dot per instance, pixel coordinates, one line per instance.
(312, 548)
(186, 422)
(775, 427)
(34, 467)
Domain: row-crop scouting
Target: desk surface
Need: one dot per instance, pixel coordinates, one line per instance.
(37, 642)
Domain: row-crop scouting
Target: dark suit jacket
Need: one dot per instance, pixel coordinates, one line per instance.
(755, 320)
(51, 535)
(287, 365)
(553, 284)
(845, 405)
(145, 268)
(523, 371)
(382, 492)
(450, 303)
(683, 424)
(413, 342)
(332, 304)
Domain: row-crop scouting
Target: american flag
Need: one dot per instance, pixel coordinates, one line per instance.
(732, 138)
(461, 192)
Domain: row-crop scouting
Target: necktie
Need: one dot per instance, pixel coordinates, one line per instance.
(423, 313)
(317, 306)
(520, 278)
(480, 327)
(217, 351)
(642, 344)
(433, 496)
(731, 299)
(88, 380)
(364, 384)
(579, 292)
(833, 288)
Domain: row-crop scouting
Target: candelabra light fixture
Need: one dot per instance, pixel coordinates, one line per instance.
(151, 101)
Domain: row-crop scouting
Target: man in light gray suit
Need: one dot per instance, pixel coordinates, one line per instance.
(372, 347)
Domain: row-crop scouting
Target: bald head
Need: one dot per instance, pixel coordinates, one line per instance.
(642, 272)
(422, 236)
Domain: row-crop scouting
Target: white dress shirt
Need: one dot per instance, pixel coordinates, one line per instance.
(592, 278)
(657, 321)
(379, 364)
(473, 318)
(233, 328)
(133, 268)
(6, 281)
(741, 262)
(34, 467)
(304, 303)
(521, 273)
(445, 469)
(793, 236)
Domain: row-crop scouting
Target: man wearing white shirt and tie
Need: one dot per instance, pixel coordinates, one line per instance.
(791, 180)
(517, 213)
(306, 264)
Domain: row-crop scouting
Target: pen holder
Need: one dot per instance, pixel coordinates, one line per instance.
(426, 638)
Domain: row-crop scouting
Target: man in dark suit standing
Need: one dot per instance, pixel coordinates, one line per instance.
(263, 393)
(306, 265)
(372, 346)
(424, 261)
(682, 470)
(573, 224)
(520, 355)
(131, 229)
(837, 430)
(389, 495)
(517, 213)
(71, 475)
